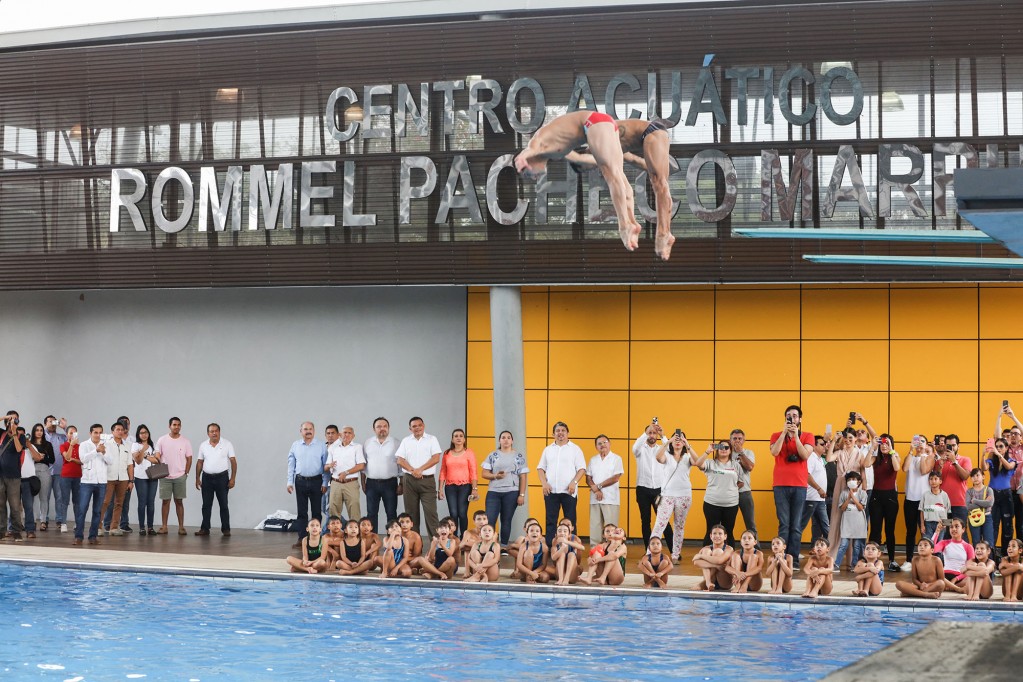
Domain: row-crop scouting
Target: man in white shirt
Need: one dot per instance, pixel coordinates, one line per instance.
(94, 457)
(649, 478)
(815, 508)
(120, 476)
(602, 476)
(562, 466)
(380, 477)
(344, 462)
(418, 455)
(215, 472)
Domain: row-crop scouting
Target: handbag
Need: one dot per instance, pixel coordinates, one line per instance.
(157, 471)
(34, 485)
(976, 515)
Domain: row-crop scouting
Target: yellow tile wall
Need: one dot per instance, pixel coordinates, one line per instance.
(913, 359)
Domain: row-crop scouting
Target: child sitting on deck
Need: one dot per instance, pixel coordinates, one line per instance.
(313, 559)
(779, 567)
(928, 574)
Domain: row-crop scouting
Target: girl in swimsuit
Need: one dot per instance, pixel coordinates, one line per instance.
(439, 561)
(370, 540)
(515, 545)
(869, 572)
(312, 560)
(564, 556)
(779, 568)
(395, 559)
(978, 573)
(746, 564)
(608, 567)
(819, 569)
(354, 559)
(597, 554)
(712, 560)
(482, 562)
(1012, 571)
(532, 561)
(655, 565)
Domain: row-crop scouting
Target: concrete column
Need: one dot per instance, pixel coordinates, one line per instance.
(509, 374)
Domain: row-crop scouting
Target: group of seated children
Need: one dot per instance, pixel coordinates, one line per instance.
(357, 550)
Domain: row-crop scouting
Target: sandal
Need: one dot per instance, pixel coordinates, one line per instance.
(162, 531)
(42, 526)
(182, 531)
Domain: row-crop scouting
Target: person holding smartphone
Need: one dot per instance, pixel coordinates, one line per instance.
(12, 451)
(790, 448)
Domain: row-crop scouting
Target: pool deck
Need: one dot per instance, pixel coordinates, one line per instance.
(260, 555)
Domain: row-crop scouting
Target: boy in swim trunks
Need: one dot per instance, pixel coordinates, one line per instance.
(600, 132)
(928, 573)
(869, 572)
(413, 539)
(645, 144)
(313, 559)
(439, 561)
(395, 558)
(333, 539)
(655, 565)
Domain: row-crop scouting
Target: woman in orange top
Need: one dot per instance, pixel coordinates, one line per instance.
(458, 479)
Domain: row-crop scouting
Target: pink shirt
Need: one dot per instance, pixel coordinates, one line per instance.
(173, 453)
(458, 468)
(956, 554)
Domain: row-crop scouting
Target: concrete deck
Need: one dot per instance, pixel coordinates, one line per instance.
(259, 554)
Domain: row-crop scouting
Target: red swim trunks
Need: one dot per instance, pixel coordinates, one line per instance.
(597, 117)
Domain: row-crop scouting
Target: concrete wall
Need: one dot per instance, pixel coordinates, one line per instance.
(257, 361)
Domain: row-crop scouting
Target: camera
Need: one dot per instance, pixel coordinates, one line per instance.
(792, 458)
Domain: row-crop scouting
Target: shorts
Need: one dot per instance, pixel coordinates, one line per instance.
(174, 487)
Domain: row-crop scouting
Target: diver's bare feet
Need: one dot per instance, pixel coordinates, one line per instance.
(663, 244)
(630, 235)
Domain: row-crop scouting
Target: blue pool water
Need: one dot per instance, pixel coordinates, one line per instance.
(81, 625)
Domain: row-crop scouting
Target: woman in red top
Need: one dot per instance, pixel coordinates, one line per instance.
(884, 500)
(70, 475)
(458, 479)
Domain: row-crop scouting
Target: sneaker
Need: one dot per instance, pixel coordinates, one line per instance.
(63, 528)
(116, 532)
(104, 531)
(894, 567)
(907, 567)
(127, 529)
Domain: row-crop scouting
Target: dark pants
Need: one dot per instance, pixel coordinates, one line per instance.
(502, 505)
(145, 489)
(557, 505)
(309, 497)
(884, 509)
(788, 502)
(1001, 516)
(911, 514)
(26, 504)
(385, 489)
(10, 496)
(215, 484)
(91, 494)
(818, 513)
(645, 498)
(72, 489)
(723, 515)
(1017, 512)
(749, 518)
(457, 497)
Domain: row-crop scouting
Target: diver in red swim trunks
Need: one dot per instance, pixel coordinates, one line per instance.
(599, 132)
(644, 144)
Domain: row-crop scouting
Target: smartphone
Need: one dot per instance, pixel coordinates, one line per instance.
(852, 417)
(827, 429)
(720, 446)
(788, 420)
(1005, 404)
(678, 432)
(654, 420)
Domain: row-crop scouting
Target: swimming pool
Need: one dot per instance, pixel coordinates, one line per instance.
(82, 625)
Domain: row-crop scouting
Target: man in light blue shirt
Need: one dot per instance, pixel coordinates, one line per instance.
(307, 477)
(56, 435)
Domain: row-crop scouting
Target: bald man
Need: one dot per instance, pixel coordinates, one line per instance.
(307, 477)
(645, 144)
(600, 132)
